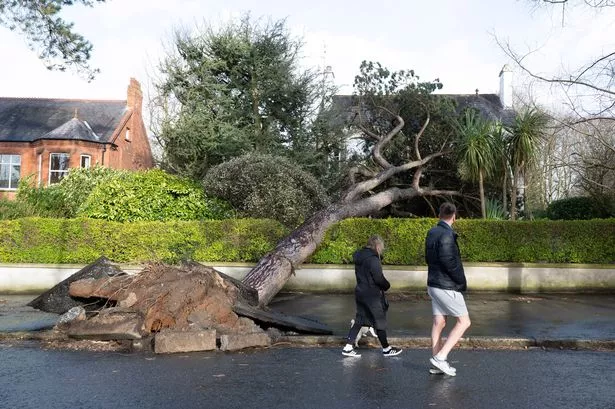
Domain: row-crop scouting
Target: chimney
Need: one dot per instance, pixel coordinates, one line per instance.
(506, 86)
(135, 96)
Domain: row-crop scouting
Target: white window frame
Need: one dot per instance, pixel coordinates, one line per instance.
(61, 172)
(11, 163)
(89, 161)
(40, 169)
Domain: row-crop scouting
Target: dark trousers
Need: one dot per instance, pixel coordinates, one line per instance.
(354, 331)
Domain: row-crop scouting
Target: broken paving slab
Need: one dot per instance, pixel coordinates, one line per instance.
(168, 341)
(237, 342)
(109, 324)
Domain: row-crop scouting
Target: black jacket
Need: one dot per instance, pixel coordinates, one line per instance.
(368, 270)
(444, 268)
(369, 292)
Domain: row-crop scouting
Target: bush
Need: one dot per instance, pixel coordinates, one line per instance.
(263, 186)
(77, 185)
(40, 201)
(151, 195)
(575, 208)
(12, 209)
(540, 241)
(37, 240)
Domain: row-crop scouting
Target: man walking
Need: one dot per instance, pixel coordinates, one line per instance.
(445, 283)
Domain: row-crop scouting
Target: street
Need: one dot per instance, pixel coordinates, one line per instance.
(303, 378)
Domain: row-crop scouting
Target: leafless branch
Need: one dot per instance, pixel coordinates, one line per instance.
(563, 81)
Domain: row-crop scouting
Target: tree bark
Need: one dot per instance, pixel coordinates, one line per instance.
(481, 190)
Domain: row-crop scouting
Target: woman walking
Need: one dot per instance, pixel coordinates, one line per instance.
(369, 297)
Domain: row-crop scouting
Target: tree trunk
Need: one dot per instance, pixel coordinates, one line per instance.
(513, 196)
(505, 192)
(273, 271)
(481, 189)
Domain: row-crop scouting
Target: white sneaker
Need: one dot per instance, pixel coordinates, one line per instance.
(443, 366)
(350, 352)
(436, 371)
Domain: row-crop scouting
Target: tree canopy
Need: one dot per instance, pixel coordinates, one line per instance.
(226, 92)
(48, 34)
(381, 95)
(264, 186)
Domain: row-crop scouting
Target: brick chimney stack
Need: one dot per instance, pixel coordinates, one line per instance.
(135, 96)
(506, 90)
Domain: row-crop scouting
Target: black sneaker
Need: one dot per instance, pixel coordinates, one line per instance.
(350, 352)
(392, 351)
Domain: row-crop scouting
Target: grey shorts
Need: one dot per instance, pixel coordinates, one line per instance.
(447, 302)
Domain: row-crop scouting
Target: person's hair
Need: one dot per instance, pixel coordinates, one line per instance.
(375, 241)
(447, 210)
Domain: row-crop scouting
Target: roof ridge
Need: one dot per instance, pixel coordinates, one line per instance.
(64, 99)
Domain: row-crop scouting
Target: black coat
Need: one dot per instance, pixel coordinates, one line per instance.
(444, 268)
(370, 288)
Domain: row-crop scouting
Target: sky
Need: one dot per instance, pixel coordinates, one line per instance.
(452, 40)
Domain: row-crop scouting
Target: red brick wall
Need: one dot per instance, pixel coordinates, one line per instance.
(133, 148)
(132, 152)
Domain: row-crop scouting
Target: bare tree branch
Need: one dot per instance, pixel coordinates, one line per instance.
(570, 82)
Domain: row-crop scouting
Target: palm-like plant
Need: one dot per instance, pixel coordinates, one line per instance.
(526, 133)
(501, 139)
(476, 151)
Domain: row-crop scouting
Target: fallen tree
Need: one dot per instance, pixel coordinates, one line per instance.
(381, 94)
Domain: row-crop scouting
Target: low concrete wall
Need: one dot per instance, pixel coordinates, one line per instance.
(32, 278)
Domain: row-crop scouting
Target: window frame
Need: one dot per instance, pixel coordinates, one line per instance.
(63, 172)
(10, 165)
(89, 160)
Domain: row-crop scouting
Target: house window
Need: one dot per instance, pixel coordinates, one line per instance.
(10, 168)
(85, 161)
(127, 136)
(58, 167)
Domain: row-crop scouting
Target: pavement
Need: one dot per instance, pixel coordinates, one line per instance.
(499, 320)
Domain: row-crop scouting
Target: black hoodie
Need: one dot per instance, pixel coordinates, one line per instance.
(368, 271)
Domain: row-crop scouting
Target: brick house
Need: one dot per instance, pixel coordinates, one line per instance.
(46, 137)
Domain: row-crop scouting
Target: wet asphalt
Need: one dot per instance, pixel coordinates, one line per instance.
(291, 377)
(537, 316)
(304, 378)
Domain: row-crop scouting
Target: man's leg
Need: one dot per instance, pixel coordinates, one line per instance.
(439, 322)
(463, 323)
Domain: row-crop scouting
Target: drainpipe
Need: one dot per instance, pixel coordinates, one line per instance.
(103, 154)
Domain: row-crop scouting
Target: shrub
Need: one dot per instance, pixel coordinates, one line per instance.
(494, 210)
(12, 209)
(38, 240)
(151, 195)
(40, 201)
(541, 241)
(575, 208)
(265, 186)
(77, 185)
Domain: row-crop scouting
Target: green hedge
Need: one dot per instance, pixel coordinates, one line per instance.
(544, 241)
(36, 240)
